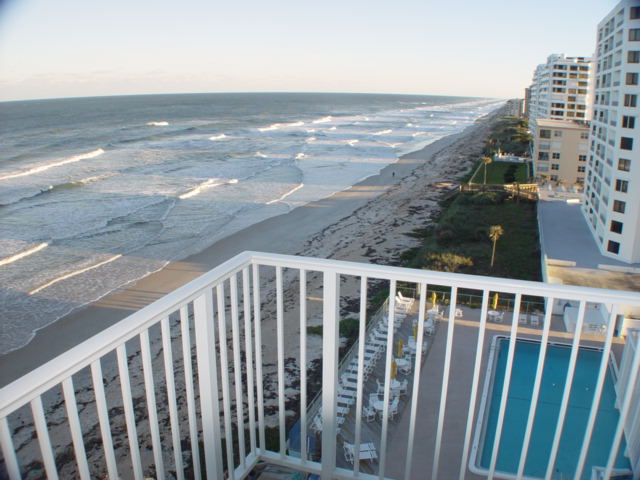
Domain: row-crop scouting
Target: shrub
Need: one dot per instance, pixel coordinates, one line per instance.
(447, 261)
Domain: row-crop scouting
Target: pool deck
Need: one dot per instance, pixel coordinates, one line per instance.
(463, 356)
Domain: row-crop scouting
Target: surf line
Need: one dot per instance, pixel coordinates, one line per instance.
(26, 253)
(73, 274)
(42, 168)
(286, 194)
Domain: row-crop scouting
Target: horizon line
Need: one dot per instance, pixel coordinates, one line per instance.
(257, 92)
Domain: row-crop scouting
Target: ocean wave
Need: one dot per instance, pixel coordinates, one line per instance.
(323, 119)
(383, 132)
(73, 274)
(310, 130)
(301, 155)
(218, 137)
(294, 124)
(207, 184)
(42, 168)
(285, 195)
(351, 143)
(158, 124)
(310, 139)
(23, 254)
(33, 193)
(417, 134)
(273, 126)
(260, 155)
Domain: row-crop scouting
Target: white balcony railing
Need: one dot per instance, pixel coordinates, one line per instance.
(189, 386)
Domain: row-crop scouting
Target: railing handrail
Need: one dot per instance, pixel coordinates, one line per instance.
(36, 382)
(209, 316)
(462, 280)
(41, 379)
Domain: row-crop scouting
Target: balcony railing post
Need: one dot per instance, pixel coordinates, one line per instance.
(208, 381)
(330, 343)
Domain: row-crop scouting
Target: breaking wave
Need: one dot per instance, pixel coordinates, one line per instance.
(25, 253)
(42, 168)
(285, 195)
(210, 183)
(323, 120)
(157, 124)
(73, 274)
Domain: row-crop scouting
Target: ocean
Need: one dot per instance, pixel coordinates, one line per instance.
(96, 193)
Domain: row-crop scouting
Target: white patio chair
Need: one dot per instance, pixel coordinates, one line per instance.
(393, 407)
(535, 321)
(368, 413)
(348, 452)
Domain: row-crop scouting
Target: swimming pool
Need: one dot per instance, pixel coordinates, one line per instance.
(548, 407)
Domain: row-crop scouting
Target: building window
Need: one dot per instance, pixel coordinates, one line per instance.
(633, 56)
(555, 166)
(626, 143)
(613, 247)
(584, 135)
(616, 227)
(555, 155)
(628, 122)
(619, 206)
(634, 34)
(634, 13)
(582, 158)
(543, 155)
(631, 79)
(630, 100)
(581, 169)
(557, 133)
(622, 186)
(624, 164)
(545, 133)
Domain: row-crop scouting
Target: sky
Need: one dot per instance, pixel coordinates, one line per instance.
(489, 48)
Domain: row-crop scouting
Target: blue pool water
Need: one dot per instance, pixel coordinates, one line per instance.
(551, 391)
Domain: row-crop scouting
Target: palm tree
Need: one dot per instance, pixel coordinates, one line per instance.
(495, 232)
(486, 160)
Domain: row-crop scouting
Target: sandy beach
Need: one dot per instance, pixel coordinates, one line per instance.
(365, 223)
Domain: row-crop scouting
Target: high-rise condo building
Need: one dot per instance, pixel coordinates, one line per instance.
(560, 89)
(612, 185)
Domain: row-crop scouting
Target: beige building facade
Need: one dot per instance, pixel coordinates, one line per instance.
(560, 150)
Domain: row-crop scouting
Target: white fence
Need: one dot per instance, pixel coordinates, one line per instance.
(188, 386)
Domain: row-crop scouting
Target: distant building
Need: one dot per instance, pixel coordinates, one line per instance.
(612, 191)
(527, 101)
(561, 89)
(560, 150)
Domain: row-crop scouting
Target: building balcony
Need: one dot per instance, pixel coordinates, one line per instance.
(223, 378)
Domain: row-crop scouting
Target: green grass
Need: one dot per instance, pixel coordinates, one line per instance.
(460, 241)
(499, 173)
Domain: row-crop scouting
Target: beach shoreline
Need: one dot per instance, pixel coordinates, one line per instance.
(313, 229)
